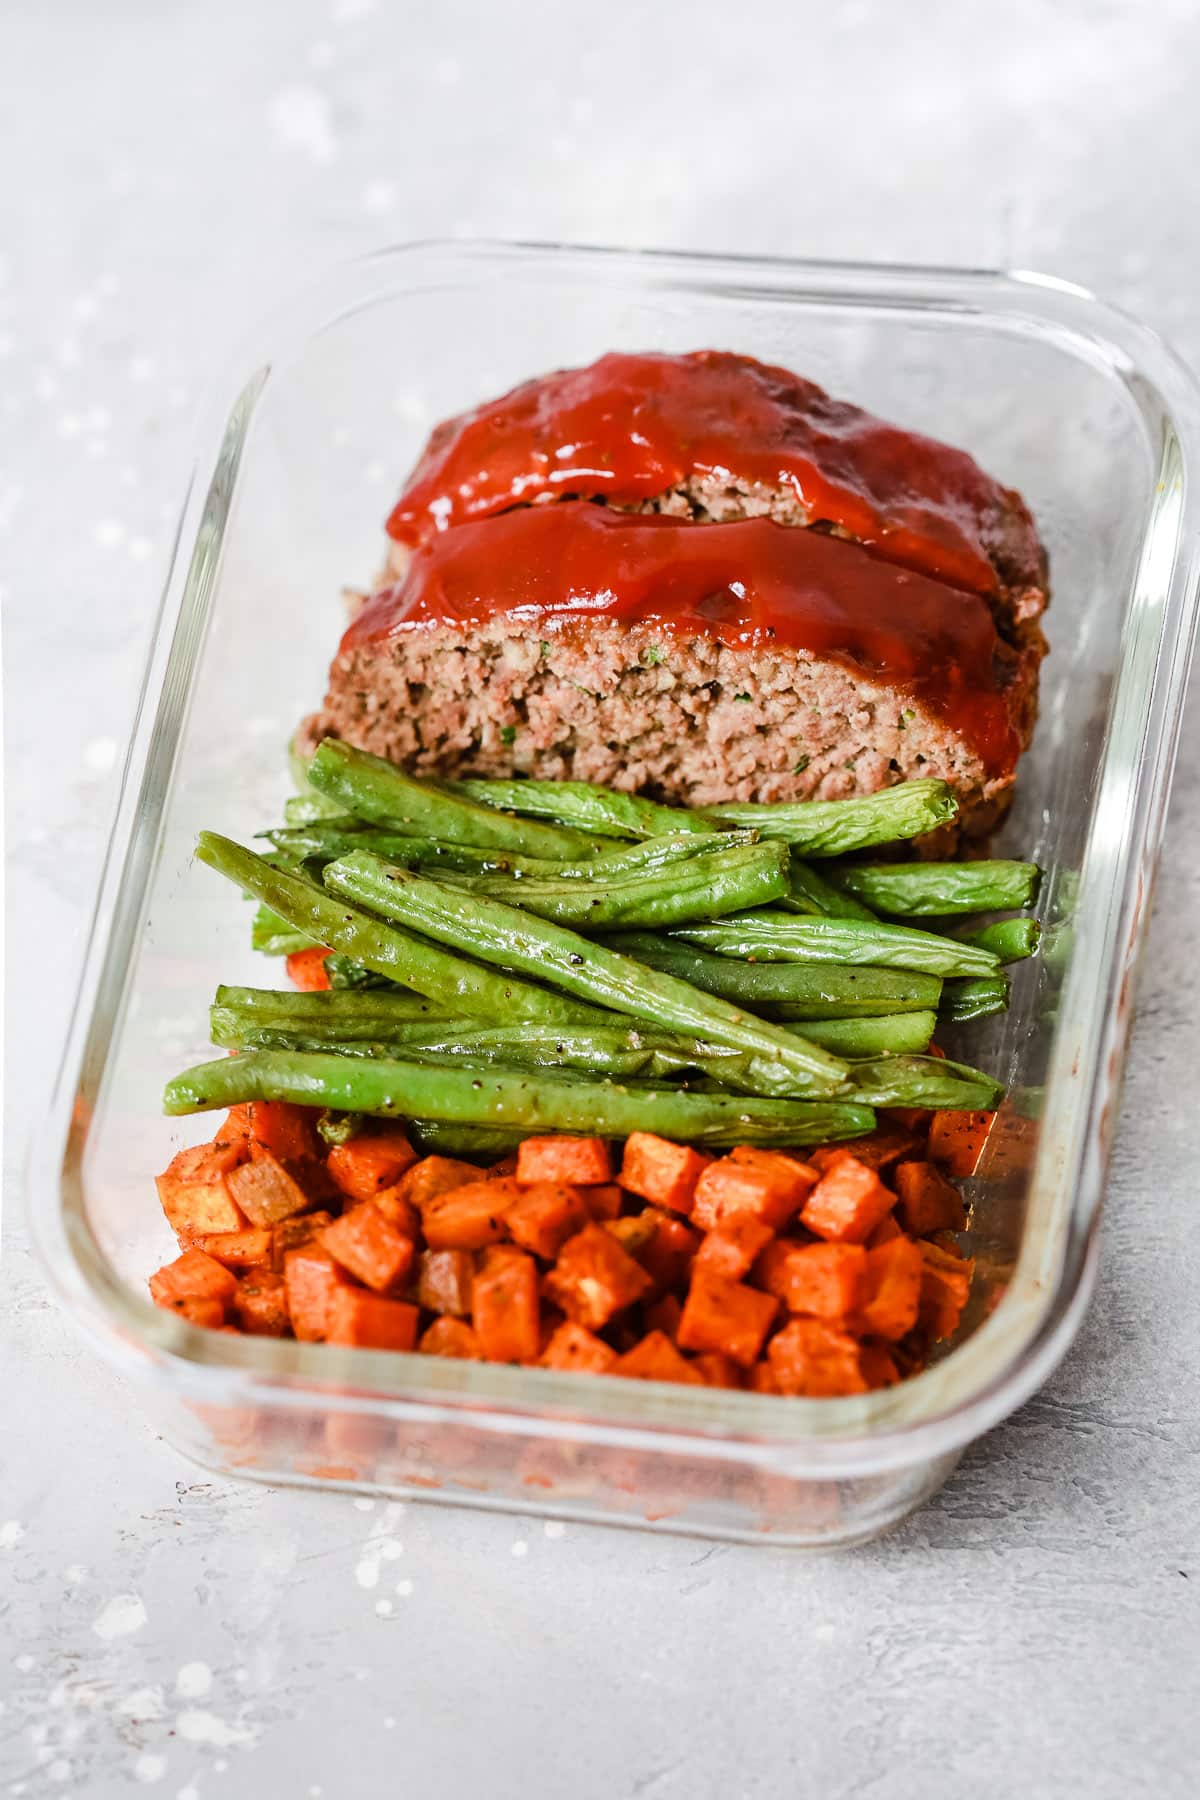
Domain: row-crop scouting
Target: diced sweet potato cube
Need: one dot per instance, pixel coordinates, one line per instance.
(891, 1290)
(761, 1379)
(198, 1311)
(824, 1280)
(755, 1184)
(957, 1140)
(576, 1350)
(595, 1278)
(945, 1287)
(730, 1249)
(663, 1315)
(928, 1202)
(193, 1276)
(661, 1171)
(503, 1170)
(726, 1316)
(878, 1365)
(635, 1232)
(444, 1280)
(847, 1203)
(368, 1164)
(194, 1190)
(311, 1278)
(369, 1245)
(878, 1149)
(286, 1131)
(908, 1118)
(504, 1305)
(238, 1249)
(235, 1130)
(399, 1212)
(603, 1201)
(670, 1253)
(289, 1234)
(369, 1321)
(657, 1359)
(266, 1191)
(884, 1232)
(717, 1370)
(206, 1162)
(260, 1305)
(578, 1161)
(306, 969)
(544, 1216)
(451, 1337)
(813, 1357)
(469, 1217)
(432, 1176)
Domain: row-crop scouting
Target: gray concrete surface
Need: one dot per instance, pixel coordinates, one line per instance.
(166, 172)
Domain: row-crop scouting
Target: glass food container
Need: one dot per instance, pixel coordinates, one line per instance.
(1083, 410)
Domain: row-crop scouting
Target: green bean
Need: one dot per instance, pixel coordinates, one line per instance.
(478, 1143)
(809, 892)
(703, 887)
(584, 804)
(344, 973)
(836, 827)
(786, 990)
(436, 856)
(1012, 940)
(590, 971)
(273, 936)
(930, 1081)
(315, 809)
(385, 795)
(937, 889)
(373, 1014)
(529, 1102)
(785, 937)
(889, 1034)
(974, 999)
(453, 981)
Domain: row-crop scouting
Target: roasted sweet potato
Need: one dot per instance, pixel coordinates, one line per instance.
(578, 1161)
(657, 1359)
(306, 969)
(286, 1131)
(730, 1250)
(368, 1244)
(661, 1171)
(432, 1176)
(814, 1358)
(928, 1202)
(595, 1278)
(504, 1305)
(444, 1280)
(366, 1165)
(890, 1289)
(266, 1191)
(576, 1350)
(469, 1217)
(757, 1184)
(194, 1191)
(238, 1249)
(957, 1140)
(451, 1337)
(945, 1287)
(193, 1276)
(847, 1203)
(824, 1280)
(260, 1305)
(311, 1278)
(727, 1316)
(545, 1215)
(369, 1321)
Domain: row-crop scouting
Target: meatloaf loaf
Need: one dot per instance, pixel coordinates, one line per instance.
(817, 604)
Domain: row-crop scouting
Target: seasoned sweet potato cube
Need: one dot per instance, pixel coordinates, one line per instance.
(266, 1191)
(238, 1249)
(311, 1278)
(453, 1338)
(503, 1170)
(603, 1201)
(260, 1305)
(726, 1316)
(884, 1232)
(399, 1212)
(369, 1245)
(194, 1190)
(576, 1350)
(957, 1140)
(717, 1370)
(444, 1280)
(198, 1311)
(368, 1164)
(661, 1171)
(730, 1249)
(878, 1365)
(891, 1289)
(286, 1131)
(669, 1255)
(945, 1287)
(636, 1232)
(928, 1202)
(824, 1280)
(663, 1315)
(595, 1278)
(813, 1357)
(878, 1149)
(369, 1321)
(306, 969)
(657, 1359)
(756, 1184)
(193, 1276)
(504, 1305)
(235, 1130)
(469, 1217)
(544, 1216)
(291, 1233)
(578, 1161)
(847, 1203)
(432, 1176)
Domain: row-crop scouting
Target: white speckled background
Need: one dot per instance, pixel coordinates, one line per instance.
(167, 171)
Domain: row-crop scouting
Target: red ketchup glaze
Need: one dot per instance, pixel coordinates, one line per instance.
(750, 585)
(629, 427)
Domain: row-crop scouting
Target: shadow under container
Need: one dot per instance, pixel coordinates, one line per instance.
(1098, 425)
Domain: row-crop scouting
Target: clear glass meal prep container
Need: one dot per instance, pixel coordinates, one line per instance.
(1083, 410)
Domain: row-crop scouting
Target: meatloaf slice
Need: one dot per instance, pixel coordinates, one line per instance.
(739, 661)
(712, 437)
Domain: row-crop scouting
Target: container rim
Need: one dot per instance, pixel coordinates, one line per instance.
(1012, 1352)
